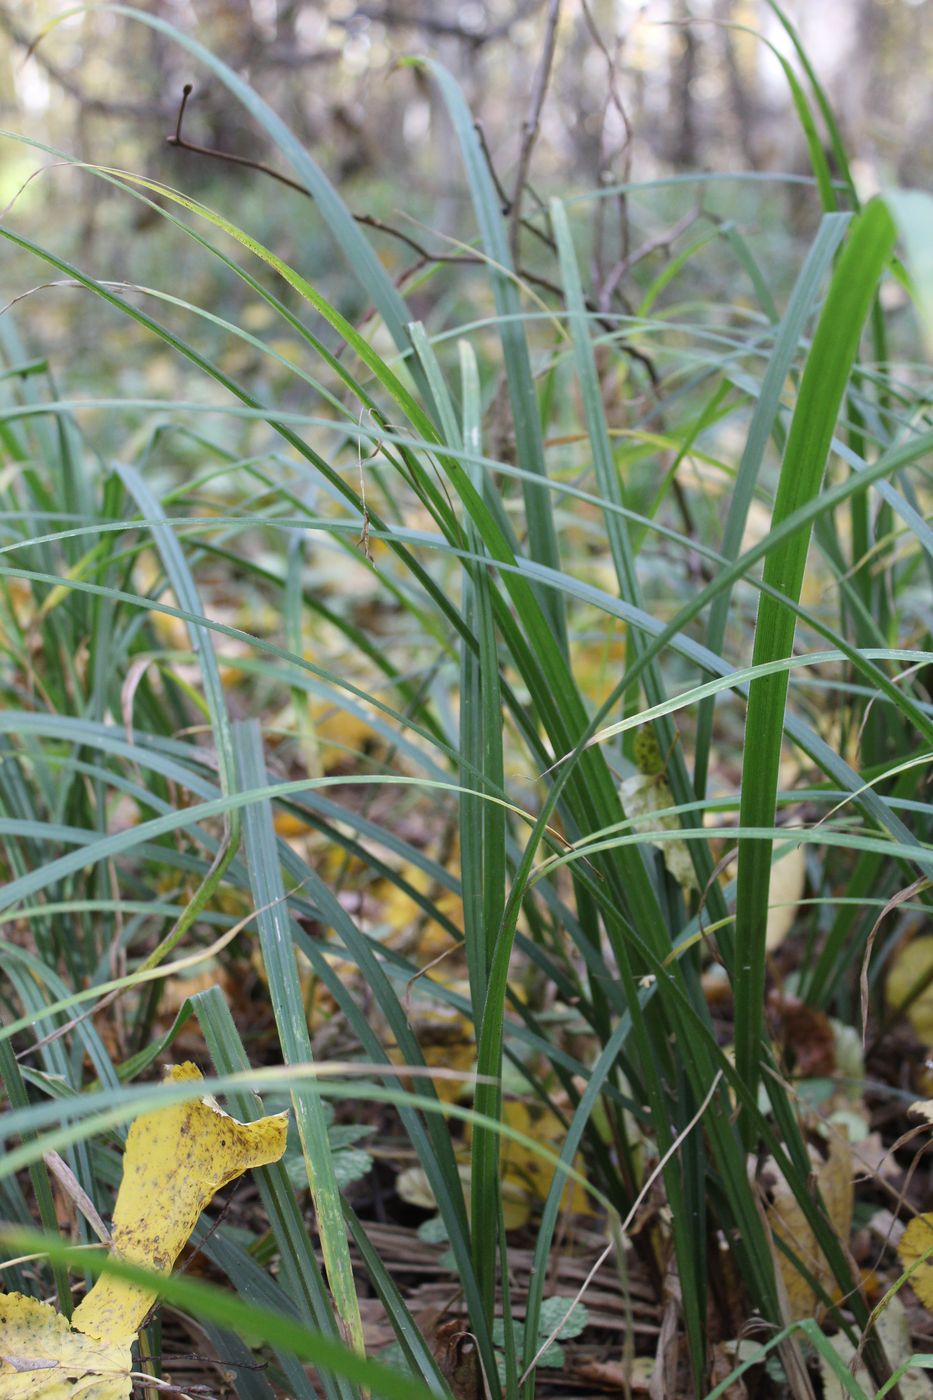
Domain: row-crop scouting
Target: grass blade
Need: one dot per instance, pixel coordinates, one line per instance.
(826, 375)
(278, 953)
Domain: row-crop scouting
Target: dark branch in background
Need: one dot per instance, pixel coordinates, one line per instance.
(181, 143)
(613, 100)
(607, 288)
(425, 256)
(432, 23)
(62, 78)
(531, 126)
(487, 156)
(539, 233)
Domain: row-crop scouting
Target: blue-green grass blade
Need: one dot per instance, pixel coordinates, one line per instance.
(348, 236)
(279, 960)
(800, 305)
(826, 375)
(300, 1270)
(542, 536)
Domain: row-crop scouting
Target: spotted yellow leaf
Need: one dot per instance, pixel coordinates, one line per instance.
(41, 1358)
(176, 1158)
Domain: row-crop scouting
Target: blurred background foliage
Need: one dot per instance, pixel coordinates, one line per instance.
(638, 91)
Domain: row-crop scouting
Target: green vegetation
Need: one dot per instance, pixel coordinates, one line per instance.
(382, 687)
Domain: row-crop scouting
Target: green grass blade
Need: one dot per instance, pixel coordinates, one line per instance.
(38, 1172)
(278, 954)
(542, 536)
(800, 305)
(348, 236)
(300, 1270)
(826, 375)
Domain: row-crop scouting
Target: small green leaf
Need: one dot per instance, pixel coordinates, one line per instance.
(553, 1310)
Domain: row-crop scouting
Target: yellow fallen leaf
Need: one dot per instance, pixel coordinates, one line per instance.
(788, 1222)
(341, 735)
(41, 1358)
(916, 1241)
(413, 1187)
(289, 824)
(523, 1166)
(403, 914)
(445, 1035)
(910, 965)
(171, 631)
(176, 1158)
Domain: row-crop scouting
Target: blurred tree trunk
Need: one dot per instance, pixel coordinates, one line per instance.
(744, 106)
(683, 151)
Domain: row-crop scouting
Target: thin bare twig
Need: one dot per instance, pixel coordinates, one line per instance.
(661, 242)
(181, 142)
(531, 126)
(613, 100)
(541, 234)
(501, 191)
(424, 254)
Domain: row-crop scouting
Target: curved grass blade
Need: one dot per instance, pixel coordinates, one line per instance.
(542, 536)
(800, 305)
(823, 386)
(347, 234)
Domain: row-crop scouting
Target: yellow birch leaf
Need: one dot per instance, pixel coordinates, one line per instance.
(916, 1241)
(788, 1223)
(176, 1158)
(42, 1359)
